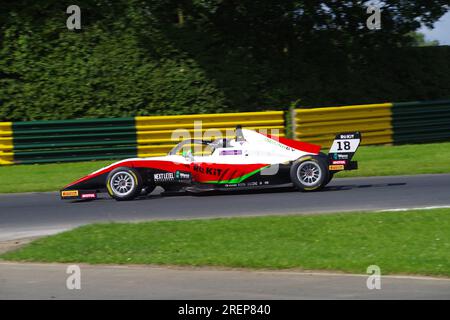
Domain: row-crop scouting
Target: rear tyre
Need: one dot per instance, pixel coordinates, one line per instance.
(309, 173)
(124, 183)
(330, 176)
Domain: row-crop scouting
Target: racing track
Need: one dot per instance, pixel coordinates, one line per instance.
(33, 214)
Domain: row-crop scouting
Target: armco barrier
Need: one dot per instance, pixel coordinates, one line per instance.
(6, 143)
(416, 122)
(157, 135)
(320, 125)
(118, 138)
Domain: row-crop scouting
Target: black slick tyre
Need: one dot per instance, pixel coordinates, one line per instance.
(309, 173)
(124, 183)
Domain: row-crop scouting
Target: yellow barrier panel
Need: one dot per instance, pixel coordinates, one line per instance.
(6, 143)
(157, 135)
(320, 125)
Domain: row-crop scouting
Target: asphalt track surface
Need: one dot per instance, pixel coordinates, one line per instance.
(35, 214)
(48, 281)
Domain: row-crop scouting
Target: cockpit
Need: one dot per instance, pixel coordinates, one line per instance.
(198, 147)
(205, 147)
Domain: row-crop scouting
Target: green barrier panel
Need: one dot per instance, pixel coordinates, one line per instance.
(71, 144)
(422, 137)
(75, 159)
(124, 136)
(69, 152)
(421, 121)
(74, 140)
(76, 122)
(66, 130)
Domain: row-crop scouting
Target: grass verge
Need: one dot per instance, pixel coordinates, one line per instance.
(412, 242)
(401, 160)
(44, 177)
(373, 161)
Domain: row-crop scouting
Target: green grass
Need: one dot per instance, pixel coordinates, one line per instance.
(373, 161)
(44, 177)
(401, 160)
(413, 242)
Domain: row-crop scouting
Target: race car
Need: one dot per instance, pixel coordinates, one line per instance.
(250, 160)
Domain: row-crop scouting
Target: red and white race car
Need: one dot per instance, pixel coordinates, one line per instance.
(249, 161)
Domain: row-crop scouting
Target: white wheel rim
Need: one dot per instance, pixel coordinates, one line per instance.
(122, 183)
(309, 173)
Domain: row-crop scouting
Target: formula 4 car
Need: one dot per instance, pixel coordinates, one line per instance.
(251, 160)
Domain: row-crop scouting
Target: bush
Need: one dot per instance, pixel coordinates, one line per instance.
(125, 62)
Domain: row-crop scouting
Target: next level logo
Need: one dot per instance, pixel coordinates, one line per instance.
(163, 176)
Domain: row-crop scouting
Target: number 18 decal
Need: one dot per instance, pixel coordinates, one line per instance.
(345, 145)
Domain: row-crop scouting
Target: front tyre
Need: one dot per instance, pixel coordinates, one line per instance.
(124, 183)
(309, 173)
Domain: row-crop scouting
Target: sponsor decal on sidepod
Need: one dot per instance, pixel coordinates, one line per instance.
(163, 176)
(88, 196)
(336, 167)
(70, 193)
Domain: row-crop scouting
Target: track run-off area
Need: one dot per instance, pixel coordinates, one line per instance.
(36, 214)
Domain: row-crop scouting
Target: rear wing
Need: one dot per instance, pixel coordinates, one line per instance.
(342, 151)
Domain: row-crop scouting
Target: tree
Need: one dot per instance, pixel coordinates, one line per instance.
(136, 57)
(421, 41)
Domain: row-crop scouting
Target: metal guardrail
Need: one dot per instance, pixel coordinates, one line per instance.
(320, 125)
(118, 138)
(157, 135)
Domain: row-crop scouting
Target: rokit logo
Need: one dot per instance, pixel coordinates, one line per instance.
(163, 176)
(208, 170)
(346, 136)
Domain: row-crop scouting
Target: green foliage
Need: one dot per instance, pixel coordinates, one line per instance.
(421, 41)
(136, 58)
(109, 68)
